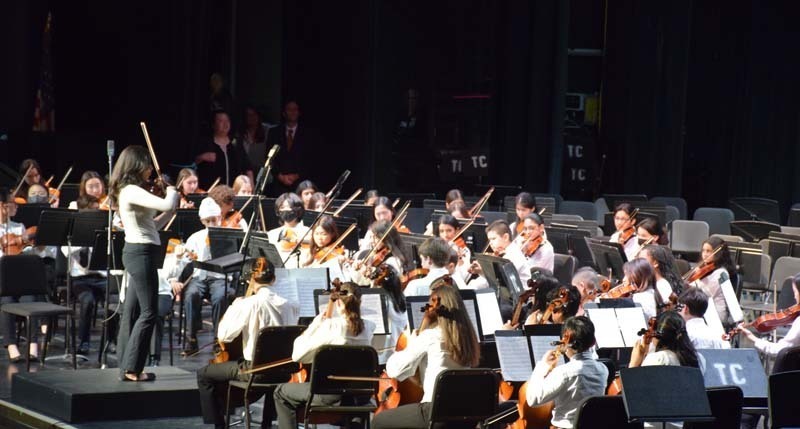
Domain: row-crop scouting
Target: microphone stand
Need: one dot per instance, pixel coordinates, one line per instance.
(296, 251)
(104, 335)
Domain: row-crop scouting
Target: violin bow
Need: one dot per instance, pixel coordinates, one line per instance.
(22, 180)
(214, 185)
(348, 201)
(150, 148)
(339, 240)
(50, 179)
(395, 202)
(260, 368)
(482, 202)
(395, 224)
(61, 183)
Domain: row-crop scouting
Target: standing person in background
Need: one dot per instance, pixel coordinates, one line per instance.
(254, 137)
(223, 156)
(138, 209)
(296, 157)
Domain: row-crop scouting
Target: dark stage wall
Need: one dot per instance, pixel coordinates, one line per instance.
(698, 97)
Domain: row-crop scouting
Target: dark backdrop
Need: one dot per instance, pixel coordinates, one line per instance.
(698, 98)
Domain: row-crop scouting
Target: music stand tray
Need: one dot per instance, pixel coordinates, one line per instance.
(678, 394)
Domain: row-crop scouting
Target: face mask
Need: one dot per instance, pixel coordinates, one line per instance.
(37, 199)
(287, 216)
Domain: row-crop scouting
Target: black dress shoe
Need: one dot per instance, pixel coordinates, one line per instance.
(83, 349)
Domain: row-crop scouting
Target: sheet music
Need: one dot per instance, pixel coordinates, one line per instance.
(515, 360)
(734, 309)
(322, 303)
(541, 344)
(335, 270)
(372, 309)
(606, 328)
(712, 319)
(631, 321)
(308, 279)
(416, 313)
(491, 320)
(284, 286)
(470, 307)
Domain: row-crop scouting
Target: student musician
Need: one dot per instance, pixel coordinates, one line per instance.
(242, 186)
(569, 384)
(396, 314)
(318, 201)
(382, 211)
(137, 209)
(694, 305)
(445, 340)
(458, 209)
(671, 345)
(246, 317)
(524, 204)
(223, 196)
(559, 313)
(33, 175)
(187, 184)
(305, 190)
(792, 338)
(91, 184)
(588, 283)
(499, 235)
(448, 226)
(370, 197)
(452, 196)
(323, 236)
(533, 243)
(8, 227)
(625, 223)
(668, 281)
(641, 275)
(718, 283)
(340, 324)
(650, 229)
(395, 255)
(289, 208)
(203, 283)
(435, 255)
(38, 194)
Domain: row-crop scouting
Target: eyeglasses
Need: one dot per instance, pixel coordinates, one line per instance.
(622, 219)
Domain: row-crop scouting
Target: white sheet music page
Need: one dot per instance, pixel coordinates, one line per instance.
(284, 286)
(491, 320)
(308, 279)
(416, 314)
(631, 321)
(470, 307)
(515, 360)
(541, 344)
(372, 309)
(606, 327)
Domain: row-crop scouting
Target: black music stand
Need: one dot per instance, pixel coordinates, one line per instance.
(259, 246)
(608, 257)
(225, 257)
(186, 223)
(752, 230)
(29, 214)
(113, 260)
(679, 394)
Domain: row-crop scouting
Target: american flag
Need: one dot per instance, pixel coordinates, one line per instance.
(44, 113)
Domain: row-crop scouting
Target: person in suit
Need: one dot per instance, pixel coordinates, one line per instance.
(296, 141)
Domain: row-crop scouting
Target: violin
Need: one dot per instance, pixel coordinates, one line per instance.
(626, 235)
(14, 244)
(156, 187)
(531, 246)
(539, 416)
(559, 303)
(605, 283)
(647, 335)
(621, 291)
(704, 268)
(232, 219)
(333, 250)
(768, 322)
(176, 247)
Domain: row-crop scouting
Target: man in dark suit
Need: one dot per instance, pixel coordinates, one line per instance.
(294, 161)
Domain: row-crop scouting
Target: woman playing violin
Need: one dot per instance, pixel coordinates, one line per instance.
(289, 209)
(242, 186)
(389, 280)
(38, 194)
(382, 211)
(791, 339)
(564, 309)
(650, 229)
(323, 236)
(534, 245)
(452, 196)
(670, 341)
(391, 252)
(188, 184)
(223, 196)
(318, 201)
(448, 226)
(91, 184)
(31, 173)
(445, 340)
(524, 204)
(370, 197)
(625, 223)
(719, 278)
(640, 275)
(668, 281)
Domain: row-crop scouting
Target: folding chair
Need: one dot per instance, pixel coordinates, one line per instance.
(718, 219)
(782, 400)
(726, 407)
(602, 412)
(463, 397)
(564, 268)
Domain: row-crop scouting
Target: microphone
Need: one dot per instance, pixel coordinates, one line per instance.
(272, 152)
(339, 183)
(110, 148)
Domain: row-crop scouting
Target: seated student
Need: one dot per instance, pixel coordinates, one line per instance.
(92, 184)
(340, 324)
(588, 284)
(499, 235)
(170, 287)
(671, 345)
(38, 194)
(397, 316)
(625, 223)
(13, 233)
(539, 255)
(569, 384)
(458, 278)
(447, 227)
(396, 257)
(458, 209)
(718, 284)
(382, 211)
(203, 283)
(33, 174)
(223, 196)
(650, 229)
(450, 197)
(668, 281)
(524, 204)
(695, 304)
(445, 340)
(542, 284)
(560, 313)
(289, 209)
(435, 255)
(188, 181)
(370, 197)
(639, 273)
(242, 186)
(305, 190)
(792, 337)
(87, 286)
(318, 201)
(323, 235)
(245, 317)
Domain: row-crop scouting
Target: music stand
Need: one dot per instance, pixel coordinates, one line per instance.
(608, 257)
(259, 246)
(111, 261)
(186, 223)
(29, 214)
(679, 394)
(752, 230)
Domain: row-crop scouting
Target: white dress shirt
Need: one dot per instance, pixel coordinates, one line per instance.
(631, 246)
(249, 315)
(137, 211)
(791, 339)
(702, 336)
(514, 254)
(712, 285)
(567, 385)
(425, 351)
(276, 234)
(544, 257)
(661, 358)
(328, 331)
(647, 299)
(422, 287)
(11, 227)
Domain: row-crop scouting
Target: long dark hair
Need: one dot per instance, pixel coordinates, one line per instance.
(325, 222)
(723, 257)
(260, 135)
(132, 163)
(653, 226)
(87, 176)
(392, 241)
(391, 284)
(452, 319)
(351, 298)
(666, 266)
(671, 334)
(385, 202)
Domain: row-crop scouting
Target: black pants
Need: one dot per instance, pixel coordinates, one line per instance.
(212, 382)
(290, 396)
(87, 289)
(406, 416)
(141, 306)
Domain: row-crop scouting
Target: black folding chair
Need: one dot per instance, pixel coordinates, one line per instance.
(22, 275)
(726, 407)
(463, 397)
(564, 268)
(343, 361)
(273, 344)
(787, 360)
(782, 404)
(602, 412)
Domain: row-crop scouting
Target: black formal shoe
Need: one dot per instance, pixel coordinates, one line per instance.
(83, 349)
(190, 347)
